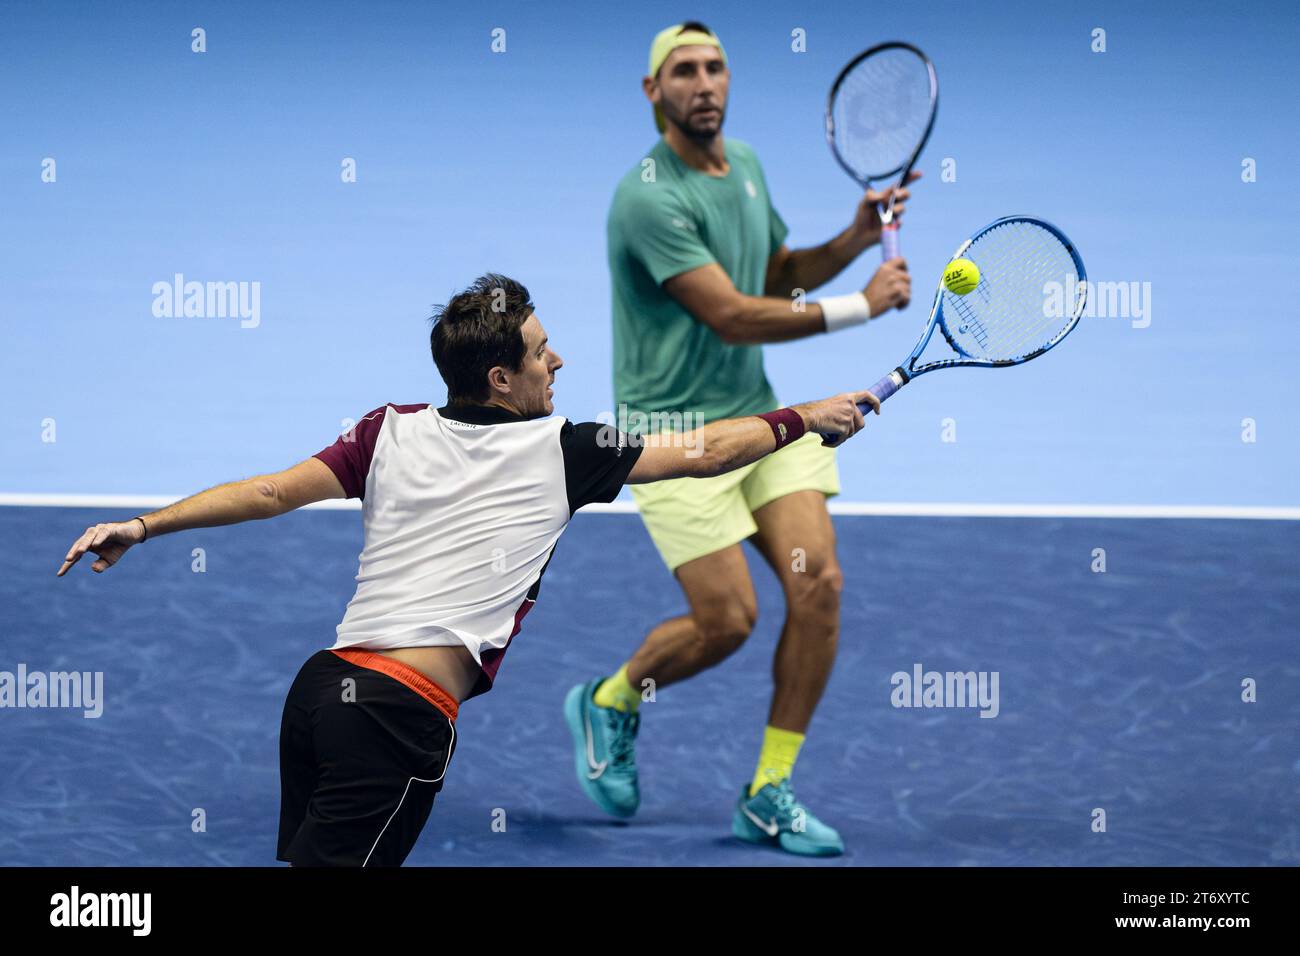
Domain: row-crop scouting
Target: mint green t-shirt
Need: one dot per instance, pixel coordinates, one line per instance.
(667, 219)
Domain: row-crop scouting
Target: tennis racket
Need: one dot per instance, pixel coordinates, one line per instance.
(878, 116)
(1010, 316)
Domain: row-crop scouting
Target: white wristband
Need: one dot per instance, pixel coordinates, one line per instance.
(842, 311)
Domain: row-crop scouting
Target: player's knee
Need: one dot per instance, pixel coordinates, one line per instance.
(725, 629)
(816, 591)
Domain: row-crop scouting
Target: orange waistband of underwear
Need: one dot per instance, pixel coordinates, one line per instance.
(405, 674)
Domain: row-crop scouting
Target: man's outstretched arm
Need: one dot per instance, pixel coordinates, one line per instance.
(723, 446)
(264, 496)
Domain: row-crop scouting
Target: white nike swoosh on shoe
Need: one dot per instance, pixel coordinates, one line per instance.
(770, 827)
(596, 768)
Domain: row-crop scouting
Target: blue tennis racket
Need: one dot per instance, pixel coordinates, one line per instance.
(879, 115)
(1031, 292)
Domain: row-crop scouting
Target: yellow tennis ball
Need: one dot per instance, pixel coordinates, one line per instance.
(961, 276)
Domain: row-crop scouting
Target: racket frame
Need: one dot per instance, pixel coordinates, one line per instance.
(889, 229)
(909, 370)
(937, 317)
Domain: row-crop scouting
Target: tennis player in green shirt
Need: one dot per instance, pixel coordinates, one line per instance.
(701, 279)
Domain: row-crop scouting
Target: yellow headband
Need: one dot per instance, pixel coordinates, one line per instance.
(666, 41)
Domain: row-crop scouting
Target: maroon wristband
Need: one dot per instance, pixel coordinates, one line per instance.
(787, 425)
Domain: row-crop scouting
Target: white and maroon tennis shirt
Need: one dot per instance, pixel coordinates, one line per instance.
(462, 507)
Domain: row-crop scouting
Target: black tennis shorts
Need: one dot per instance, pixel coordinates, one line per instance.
(364, 745)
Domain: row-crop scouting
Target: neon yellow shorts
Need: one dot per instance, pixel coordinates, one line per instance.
(690, 517)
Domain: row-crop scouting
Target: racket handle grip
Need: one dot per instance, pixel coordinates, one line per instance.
(888, 246)
(882, 390)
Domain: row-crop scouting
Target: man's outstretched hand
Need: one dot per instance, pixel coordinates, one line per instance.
(108, 541)
(837, 418)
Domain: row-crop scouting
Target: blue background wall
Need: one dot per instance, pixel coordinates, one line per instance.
(225, 166)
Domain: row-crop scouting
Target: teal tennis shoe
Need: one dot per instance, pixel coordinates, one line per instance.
(604, 750)
(775, 818)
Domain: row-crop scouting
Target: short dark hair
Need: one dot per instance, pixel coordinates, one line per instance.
(694, 26)
(476, 331)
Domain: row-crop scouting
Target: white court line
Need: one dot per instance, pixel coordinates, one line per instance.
(917, 509)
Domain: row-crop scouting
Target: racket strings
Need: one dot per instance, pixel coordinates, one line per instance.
(1043, 261)
(881, 110)
(1012, 312)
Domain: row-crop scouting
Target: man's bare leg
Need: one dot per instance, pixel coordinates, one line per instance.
(602, 714)
(796, 538)
(723, 611)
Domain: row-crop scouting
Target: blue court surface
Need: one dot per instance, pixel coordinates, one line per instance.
(1119, 690)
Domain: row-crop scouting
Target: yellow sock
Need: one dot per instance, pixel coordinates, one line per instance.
(776, 760)
(617, 693)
